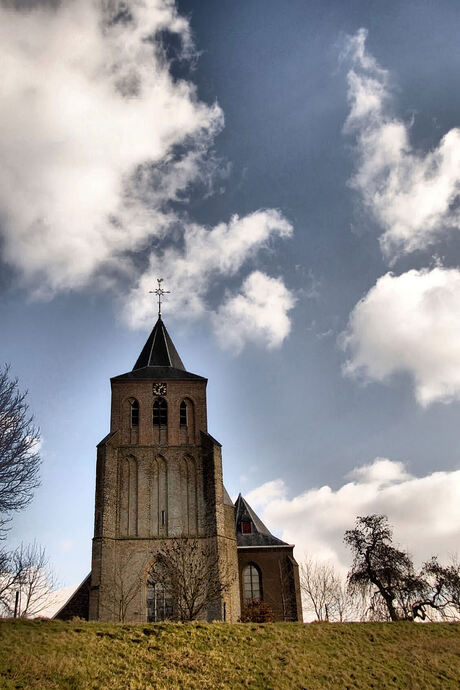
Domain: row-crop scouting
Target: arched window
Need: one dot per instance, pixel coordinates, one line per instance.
(160, 412)
(134, 413)
(252, 584)
(159, 602)
(183, 413)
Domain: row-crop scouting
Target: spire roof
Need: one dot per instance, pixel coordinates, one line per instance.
(159, 350)
(259, 535)
(159, 358)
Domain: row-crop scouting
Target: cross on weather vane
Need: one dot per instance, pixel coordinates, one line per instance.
(159, 292)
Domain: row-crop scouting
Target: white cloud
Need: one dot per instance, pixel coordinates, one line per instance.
(412, 196)
(258, 314)
(84, 101)
(96, 140)
(261, 495)
(381, 472)
(409, 323)
(205, 256)
(424, 512)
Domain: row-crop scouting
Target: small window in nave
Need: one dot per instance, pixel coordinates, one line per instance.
(246, 527)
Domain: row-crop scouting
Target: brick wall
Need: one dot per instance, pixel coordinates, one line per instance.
(280, 579)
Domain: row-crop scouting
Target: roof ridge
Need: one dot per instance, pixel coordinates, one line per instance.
(166, 341)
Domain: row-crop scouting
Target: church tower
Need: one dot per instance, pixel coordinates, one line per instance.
(159, 487)
(158, 478)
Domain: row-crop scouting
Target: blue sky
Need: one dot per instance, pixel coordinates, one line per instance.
(274, 162)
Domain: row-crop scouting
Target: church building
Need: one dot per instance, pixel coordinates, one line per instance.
(158, 479)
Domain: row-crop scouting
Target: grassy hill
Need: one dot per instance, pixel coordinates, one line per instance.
(53, 654)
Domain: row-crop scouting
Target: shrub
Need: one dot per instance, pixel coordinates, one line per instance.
(257, 611)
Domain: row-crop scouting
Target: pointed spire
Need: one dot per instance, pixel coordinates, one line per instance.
(159, 350)
(159, 358)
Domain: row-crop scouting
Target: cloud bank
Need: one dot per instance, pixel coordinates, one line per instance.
(409, 323)
(413, 196)
(88, 109)
(99, 143)
(424, 512)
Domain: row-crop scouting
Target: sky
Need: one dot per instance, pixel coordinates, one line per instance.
(292, 171)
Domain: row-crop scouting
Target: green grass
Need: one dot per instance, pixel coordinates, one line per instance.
(54, 654)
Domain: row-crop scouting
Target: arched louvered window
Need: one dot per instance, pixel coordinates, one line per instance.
(252, 583)
(134, 413)
(160, 412)
(183, 413)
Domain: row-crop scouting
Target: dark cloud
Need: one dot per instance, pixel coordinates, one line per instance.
(25, 5)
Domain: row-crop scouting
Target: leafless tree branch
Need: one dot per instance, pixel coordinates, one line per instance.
(191, 574)
(19, 449)
(26, 581)
(324, 592)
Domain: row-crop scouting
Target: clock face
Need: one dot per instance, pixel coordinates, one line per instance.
(159, 389)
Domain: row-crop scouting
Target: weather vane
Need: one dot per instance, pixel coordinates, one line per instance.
(159, 292)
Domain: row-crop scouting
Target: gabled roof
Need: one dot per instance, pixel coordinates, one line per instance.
(159, 359)
(260, 534)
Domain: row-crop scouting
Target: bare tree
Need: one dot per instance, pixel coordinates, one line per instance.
(19, 443)
(324, 591)
(386, 575)
(378, 563)
(123, 590)
(442, 591)
(12, 570)
(317, 582)
(191, 576)
(37, 584)
(343, 608)
(26, 582)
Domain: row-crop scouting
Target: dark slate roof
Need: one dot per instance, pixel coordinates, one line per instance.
(77, 604)
(159, 359)
(213, 440)
(106, 438)
(260, 534)
(158, 373)
(159, 350)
